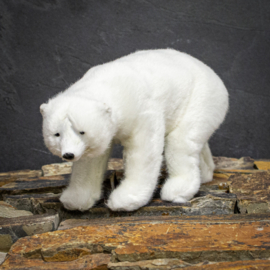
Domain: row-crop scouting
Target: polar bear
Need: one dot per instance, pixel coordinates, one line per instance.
(150, 101)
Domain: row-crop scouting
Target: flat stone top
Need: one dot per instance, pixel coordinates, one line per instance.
(144, 239)
(252, 186)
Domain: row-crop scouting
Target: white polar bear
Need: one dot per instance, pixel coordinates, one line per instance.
(150, 101)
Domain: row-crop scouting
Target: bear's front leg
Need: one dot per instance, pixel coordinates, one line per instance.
(142, 159)
(85, 185)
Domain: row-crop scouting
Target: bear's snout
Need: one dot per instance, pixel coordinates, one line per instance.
(68, 156)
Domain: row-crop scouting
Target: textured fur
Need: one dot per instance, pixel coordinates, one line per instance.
(150, 101)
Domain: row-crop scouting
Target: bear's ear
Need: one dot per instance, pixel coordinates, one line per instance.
(42, 108)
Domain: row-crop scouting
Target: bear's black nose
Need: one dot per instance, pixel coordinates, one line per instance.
(68, 156)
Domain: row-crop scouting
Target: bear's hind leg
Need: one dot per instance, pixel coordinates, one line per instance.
(207, 165)
(182, 160)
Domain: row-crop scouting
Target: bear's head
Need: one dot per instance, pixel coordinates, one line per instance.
(75, 127)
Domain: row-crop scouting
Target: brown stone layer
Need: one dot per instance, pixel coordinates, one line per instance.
(252, 191)
(238, 237)
(7, 177)
(262, 164)
(95, 261)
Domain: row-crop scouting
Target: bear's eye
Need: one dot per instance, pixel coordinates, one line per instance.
(82, 132)
(57, 134)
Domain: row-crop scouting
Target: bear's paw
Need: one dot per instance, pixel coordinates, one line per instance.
(74, 199)
(128, 199)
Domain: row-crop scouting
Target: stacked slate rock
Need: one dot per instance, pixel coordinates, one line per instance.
(225, 225)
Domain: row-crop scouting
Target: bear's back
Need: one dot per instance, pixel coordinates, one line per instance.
(164, 78)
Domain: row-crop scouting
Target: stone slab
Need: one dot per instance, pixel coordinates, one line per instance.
(72, 223)
(252, 191)
(239, 265)
(7, 177)
(2, 257)
(218, 202)
(6, 204)
(193, 240)
(149, 264)
(114, 164)
(21, 174)
(206, 203)
(23, 196)
(179, 264)
(234, 171)
(57, 169)
(86, 262)
(196, 242)
(45, 184)
(31, 202)
(54, 184)
(40, 195)
(7, 211)
(12, 229)
(262, 164)
(244, 163)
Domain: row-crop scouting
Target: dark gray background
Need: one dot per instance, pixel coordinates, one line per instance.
(45, 45)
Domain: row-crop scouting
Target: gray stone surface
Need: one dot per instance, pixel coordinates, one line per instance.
(47, 45)
(30, 202)
(2, 257)
(10, 212)
(206, 203)
(11, 229)
(157, 264)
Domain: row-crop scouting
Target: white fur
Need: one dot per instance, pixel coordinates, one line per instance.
(149, 101)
